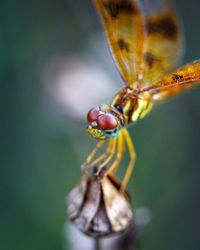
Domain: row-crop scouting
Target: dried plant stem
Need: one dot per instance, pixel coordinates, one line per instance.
(97, 244)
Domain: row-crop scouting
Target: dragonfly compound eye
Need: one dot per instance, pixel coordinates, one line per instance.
(92, 114)
(107, 122)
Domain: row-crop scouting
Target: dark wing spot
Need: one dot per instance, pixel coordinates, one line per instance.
(149, 58)
(177, 77)
(164, 26)
(123, 6)
(123, 45)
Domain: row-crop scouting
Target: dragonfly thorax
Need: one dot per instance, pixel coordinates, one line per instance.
(132, 105)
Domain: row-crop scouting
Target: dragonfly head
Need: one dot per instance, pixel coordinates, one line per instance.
(104, 122)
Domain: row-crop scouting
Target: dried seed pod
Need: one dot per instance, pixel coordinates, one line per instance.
(97, 207)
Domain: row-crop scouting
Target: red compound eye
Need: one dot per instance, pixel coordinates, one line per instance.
(107, 122)
(92, 114)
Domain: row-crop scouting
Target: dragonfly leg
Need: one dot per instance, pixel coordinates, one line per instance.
(87, 165)
(90, 156)
(121, 142)
(120, 151)
(101, 157)
(132, 159)
(111, 153)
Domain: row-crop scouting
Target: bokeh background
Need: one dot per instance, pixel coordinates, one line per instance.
(54, 65)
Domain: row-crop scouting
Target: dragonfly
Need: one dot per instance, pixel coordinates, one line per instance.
(145, 40)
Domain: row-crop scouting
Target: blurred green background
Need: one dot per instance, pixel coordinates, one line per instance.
(43, 145)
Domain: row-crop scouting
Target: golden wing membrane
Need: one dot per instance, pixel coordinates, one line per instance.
(144, 38)
(163, 41)
(124, 27)
(184, 78)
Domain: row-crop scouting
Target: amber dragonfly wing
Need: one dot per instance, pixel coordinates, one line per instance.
(163, 41)
(144, 38)
(182, 79)
(124, 28)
